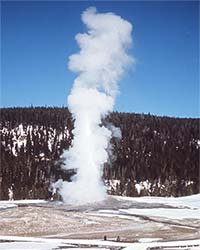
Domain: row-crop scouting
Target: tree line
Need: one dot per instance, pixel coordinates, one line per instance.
(160, 152)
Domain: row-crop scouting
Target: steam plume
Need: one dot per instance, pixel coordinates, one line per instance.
(100, 63)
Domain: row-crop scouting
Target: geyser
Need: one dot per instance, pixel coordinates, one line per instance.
(100, 63)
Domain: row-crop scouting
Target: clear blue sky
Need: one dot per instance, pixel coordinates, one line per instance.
(37, 38)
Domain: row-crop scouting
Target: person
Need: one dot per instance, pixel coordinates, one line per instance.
(118, 238)
(105, 237)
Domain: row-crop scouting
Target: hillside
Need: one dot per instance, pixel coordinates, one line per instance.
(155, 155)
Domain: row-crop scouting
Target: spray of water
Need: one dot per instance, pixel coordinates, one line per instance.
(100, 63)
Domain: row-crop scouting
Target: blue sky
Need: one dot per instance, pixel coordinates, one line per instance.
(38, 37)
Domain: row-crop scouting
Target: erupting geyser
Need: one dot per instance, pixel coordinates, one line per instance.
(100, 64)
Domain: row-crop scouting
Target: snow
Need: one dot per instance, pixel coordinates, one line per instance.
(29, 246)
(142, 186)
(5, 204)
(89, 222)
(182, 208)
(176, 214)
(183, 245)
(192, 201)
(112, 184)
(32, 243)
(164, 212)
(19, 136)
(21, 202)
(147, 240)
(85, 248)
(67, 242)
(40, 246)
(121, 207)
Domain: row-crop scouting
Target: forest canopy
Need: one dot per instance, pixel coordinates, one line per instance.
(159, 153)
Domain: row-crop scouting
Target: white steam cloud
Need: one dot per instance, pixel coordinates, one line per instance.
(100, 63)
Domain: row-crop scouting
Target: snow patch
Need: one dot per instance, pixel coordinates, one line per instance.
(172, 213)
(192, 201)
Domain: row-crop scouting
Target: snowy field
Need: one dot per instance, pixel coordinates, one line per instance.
(25, 243)
(141, 223)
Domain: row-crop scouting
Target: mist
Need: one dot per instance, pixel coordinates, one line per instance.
(100, 63)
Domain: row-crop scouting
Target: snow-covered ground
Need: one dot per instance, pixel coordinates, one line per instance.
(21, 202)
(180, 208)
(141, 223)
(14, 203)
(192, 201)
(27, 243)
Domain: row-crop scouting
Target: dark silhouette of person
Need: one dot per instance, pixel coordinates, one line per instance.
(118, 238)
